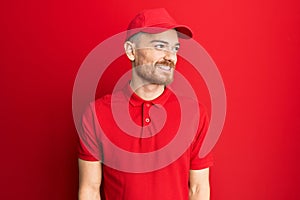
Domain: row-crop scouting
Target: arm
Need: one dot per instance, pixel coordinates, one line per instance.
(89, 180)
(199, 184)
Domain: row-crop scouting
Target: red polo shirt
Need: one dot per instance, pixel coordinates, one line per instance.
(147, 148)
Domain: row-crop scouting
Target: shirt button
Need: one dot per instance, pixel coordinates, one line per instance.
(148, 105)
(147, 120)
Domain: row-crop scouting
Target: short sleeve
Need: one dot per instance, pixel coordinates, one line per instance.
(88, 144)
(197, 163)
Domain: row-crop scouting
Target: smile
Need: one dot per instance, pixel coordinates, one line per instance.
(165, 68)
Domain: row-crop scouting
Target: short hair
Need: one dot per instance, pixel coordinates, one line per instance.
(135, 38)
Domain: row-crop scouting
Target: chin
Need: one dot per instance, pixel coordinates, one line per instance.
(165, 82)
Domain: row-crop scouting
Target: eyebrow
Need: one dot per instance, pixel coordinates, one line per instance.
(161, 41)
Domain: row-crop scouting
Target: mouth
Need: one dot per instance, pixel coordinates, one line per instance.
(164, 68)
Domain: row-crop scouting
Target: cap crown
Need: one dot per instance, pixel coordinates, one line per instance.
(148, 20)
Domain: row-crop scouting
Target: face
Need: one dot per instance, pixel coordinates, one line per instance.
(155, 57)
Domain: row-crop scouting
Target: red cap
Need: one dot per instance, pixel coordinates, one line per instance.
(156, 21)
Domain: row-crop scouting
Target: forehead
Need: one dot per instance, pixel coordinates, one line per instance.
(170, 36)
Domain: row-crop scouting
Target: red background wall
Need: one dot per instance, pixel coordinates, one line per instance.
(254, 43)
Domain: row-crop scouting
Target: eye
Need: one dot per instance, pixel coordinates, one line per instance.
(160, 46)
(176, 49)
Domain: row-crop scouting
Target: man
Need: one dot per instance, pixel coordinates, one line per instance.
(151, 46)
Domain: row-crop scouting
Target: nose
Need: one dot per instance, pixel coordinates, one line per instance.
(170, 56)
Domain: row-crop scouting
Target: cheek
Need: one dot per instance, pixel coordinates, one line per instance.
(140, 58)
(175, 61)
(150, 57)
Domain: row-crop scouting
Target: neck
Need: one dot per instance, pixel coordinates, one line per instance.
(147, 91)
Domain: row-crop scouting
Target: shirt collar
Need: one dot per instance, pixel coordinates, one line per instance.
(135, 100)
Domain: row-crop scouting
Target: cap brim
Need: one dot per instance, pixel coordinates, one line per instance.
(184, 32)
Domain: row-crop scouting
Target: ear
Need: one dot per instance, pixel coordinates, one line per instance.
(129, 50)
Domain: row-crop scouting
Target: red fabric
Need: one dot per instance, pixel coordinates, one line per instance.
(169, 182)
(155, 21)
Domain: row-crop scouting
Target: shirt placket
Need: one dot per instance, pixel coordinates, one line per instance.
(146, 116)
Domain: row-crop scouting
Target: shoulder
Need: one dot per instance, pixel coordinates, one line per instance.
(188, 103)
(108, 99)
